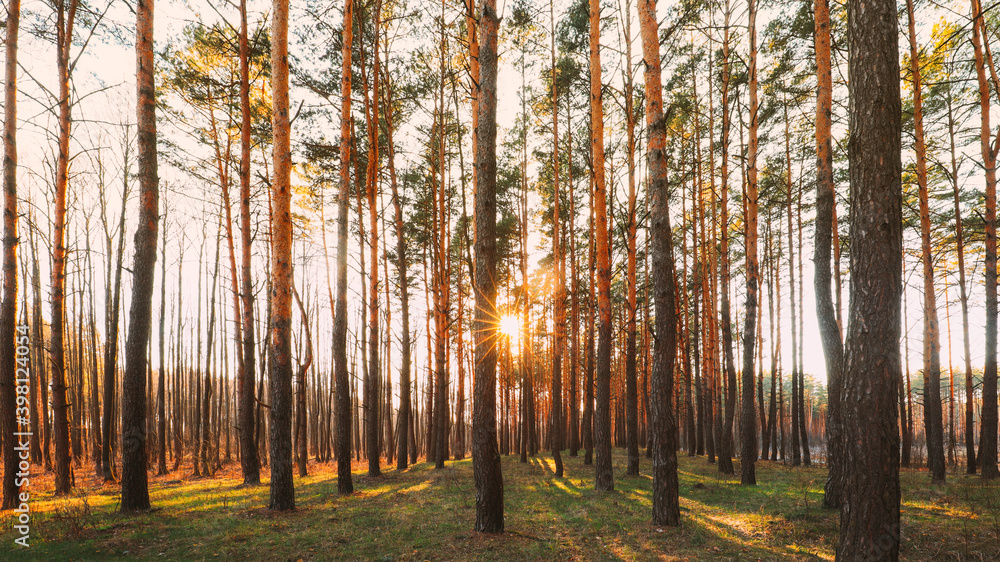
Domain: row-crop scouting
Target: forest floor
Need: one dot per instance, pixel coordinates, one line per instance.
(427, 514)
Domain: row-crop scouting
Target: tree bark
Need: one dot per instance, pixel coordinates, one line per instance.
(830, 335)
(250, 463)
(748, 432)
(60, 417)
(869, 512)
(988, 419)
(371, 382)
(604, 479)
(666, 510)
(725, 454)
(559, 291)
(10, 379)
(282, 496)
(485, 455)
(932, 346)
(970, 435)
(135, 491)
(344, 484)
(631, 382)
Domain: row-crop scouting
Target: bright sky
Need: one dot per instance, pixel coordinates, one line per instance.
(105, 79)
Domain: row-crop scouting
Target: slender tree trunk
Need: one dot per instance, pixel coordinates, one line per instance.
(282, 285)
(748, 433)
(371, 382)
(631, 382)
(300, 414)
(869, 513)
(344, 484)
(404, 294)
(63, 476)
(588, 381)
(574, 395)
(727, 449)
(666, 510)
(828, 318)
(161, 424)
(932, 345)
(485, 455)
(602, 419)
(135, 492)
(988, 419)
(206, 425)
(970, 439)
(10, 379)
(111, 340)
(38, 344)
(250, 463)
(559, 291)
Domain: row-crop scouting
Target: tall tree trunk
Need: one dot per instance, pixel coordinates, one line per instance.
(666, 510)
(485, 455)
(135, 491)
(404, 294)
(371, 381)
(559, 291)
(282, 496)
(574, 395)
(988, 420)
(344, 484)
(249, 461)
(748, 433)
(111, 335)
(38, 344)
(161, 423)
(932, 345)
(63, 472)
(869, 513)
(10, 383)
(727, 449)
(442, 278)
(631, 382)
(604, 479)
(970, 439)
(829, 323)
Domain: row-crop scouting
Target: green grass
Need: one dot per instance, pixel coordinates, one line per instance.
(427, 514)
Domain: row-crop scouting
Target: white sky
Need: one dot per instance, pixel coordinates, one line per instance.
(111, 66)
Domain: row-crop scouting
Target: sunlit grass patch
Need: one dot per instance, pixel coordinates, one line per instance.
(427, 514)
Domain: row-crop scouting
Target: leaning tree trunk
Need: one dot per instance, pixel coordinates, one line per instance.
(280, 421)
(485, 455)
(135, 490)
(666, 507)
(869, 512)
